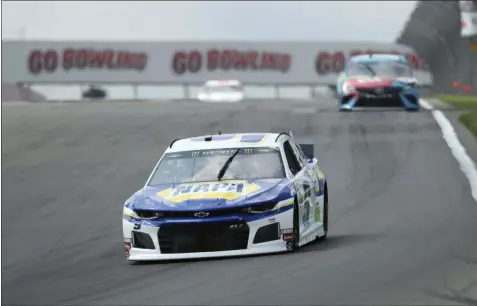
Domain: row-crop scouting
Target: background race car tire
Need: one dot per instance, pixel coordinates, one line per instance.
(325, 216)
(296, 226)
(345, 110)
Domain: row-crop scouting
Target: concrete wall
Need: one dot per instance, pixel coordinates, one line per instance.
(14, 93)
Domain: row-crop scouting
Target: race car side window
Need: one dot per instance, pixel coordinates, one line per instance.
(292, 160)
(299, 153)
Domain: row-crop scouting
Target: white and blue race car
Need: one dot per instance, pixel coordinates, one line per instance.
(228, 195)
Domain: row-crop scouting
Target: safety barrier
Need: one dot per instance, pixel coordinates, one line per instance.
(434, 31)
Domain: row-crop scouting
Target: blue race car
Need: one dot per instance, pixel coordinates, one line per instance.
(379, 80)
(228, 195)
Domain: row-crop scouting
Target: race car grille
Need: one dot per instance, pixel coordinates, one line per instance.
(142, 241)
(379, 102)
(267, 233)
(203, 237)
(380, 90)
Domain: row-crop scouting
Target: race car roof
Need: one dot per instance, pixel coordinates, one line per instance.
(224, 141)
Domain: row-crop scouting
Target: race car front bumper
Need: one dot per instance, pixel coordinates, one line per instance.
(207, 237)
(408, 99)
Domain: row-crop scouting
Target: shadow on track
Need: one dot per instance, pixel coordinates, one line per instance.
(382, 110)
(339, 241)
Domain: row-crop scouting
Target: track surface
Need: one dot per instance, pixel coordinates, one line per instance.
(403, 222)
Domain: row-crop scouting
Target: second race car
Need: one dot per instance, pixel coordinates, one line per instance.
(228, 195)
(380, 80)
(221, 91)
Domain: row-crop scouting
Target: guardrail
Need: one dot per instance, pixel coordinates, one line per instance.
(434, 32)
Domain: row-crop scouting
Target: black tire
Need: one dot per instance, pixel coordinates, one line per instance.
(296, 226)
(325, 216)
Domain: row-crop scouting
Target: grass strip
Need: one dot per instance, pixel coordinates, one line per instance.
(469, 119)
(460, 101)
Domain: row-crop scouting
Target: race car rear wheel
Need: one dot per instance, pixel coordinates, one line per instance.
(325, 215)
(296, 226)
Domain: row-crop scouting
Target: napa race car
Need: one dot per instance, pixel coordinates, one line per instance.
(221, 91)
(228, 195)
(379, 80)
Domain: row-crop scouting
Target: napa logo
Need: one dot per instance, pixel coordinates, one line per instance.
(227, 190)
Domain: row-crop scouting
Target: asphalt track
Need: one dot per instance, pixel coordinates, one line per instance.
(403, 222)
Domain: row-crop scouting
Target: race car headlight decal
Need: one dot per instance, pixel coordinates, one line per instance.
(347, 89)
(148, 214)
(260, 208)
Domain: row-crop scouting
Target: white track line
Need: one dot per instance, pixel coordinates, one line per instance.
(466, 163)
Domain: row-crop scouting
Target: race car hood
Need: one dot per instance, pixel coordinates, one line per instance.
(210, 195)
(370, 82)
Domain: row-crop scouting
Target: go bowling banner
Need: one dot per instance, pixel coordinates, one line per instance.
(468, 18)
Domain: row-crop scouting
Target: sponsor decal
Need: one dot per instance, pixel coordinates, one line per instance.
(228, 190)
(327, 62)
(318, 213)
(287, 230)
(49, 61)
(287, 237)
(272, 220)
(137, 226)
(215, 60)
(469, 23)
(201, 214)
(218, 152)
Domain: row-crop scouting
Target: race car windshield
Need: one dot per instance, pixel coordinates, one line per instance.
(380, 68)
(204, 165)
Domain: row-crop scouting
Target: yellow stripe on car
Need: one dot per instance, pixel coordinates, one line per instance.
(130, 213)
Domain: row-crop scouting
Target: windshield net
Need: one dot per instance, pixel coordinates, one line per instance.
(205, 165)
(380, 68)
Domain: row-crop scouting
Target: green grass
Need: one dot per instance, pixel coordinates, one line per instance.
(469, 119)
(459, 101)
(469, 103)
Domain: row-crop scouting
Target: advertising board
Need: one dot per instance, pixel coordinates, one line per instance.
(468, 17)
(260, 63)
